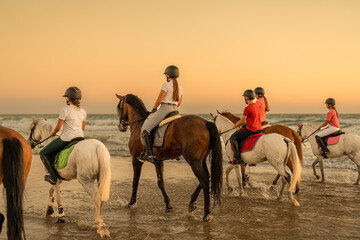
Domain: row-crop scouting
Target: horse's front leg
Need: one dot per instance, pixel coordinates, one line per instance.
(61, 217)
(321, 164)
(137, 166)
(160, 178)
(239, 178)
(314, 170)
(50, 208)
(228, 170)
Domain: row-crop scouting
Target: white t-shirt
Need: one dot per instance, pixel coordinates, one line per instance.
(73, 118)
(168, 88)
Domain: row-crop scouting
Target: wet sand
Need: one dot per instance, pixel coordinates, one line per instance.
(328, 210)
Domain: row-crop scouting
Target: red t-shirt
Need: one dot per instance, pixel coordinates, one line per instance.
(253, 117)
(261, 104)
(332, 118)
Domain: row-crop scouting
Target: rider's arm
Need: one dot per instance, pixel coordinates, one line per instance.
(324, 124)
(83, 125)
(160, 98)
(240, 122)
(57, 128)
(179, 103)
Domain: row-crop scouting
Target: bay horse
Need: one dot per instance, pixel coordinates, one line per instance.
(348, 145)
(280, 129)
(190, 136)
(88, 162)
(274, 148)
(15, 162)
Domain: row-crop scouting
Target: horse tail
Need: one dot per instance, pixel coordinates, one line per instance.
(294, 157)
(298, 145)
(13, 180)
(216, 162)
(104, 179)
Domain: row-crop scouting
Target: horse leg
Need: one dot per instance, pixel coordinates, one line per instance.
(204, 183)
(239, 178)
(322, 170)
(160, 178)
(137, 165)
(272, 187)
(314, 170)
(61, 217)
(194, 196)
(283, 182)
(50, 208)
(228, 170)
(93, 192)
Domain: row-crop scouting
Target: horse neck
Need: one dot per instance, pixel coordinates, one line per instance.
(224, 124)
(309, 130)
(133, 115)
(231, 117)
(45, 128)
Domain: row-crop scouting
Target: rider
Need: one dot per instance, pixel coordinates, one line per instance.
(262, 103)
(332, 120)
(169, 100)
(251, 116)
(72, 119)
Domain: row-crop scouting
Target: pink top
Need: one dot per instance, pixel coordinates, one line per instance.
(332, 118)
(260, 102)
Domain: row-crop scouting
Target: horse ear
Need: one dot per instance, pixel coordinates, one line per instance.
(212, 116)
(46, 118)
(118, 96)
(218, 111)
(299, 126)
(33, 119)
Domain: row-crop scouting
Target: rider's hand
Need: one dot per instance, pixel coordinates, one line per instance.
(53, 134)
(234, 126)
(153, 110)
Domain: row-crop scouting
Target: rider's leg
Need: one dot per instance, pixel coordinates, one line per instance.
(322, 144)
(46, 158)
(235, 141)
(149, 156)
(323, 133)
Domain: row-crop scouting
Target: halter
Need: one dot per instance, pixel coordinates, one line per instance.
(304, 140)
(124, 123)
(32, 140)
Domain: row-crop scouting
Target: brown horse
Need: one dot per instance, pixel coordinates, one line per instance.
(15, 161)
(280, 129)
(190, 136)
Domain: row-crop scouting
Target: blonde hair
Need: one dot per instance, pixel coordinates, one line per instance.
(176, 96)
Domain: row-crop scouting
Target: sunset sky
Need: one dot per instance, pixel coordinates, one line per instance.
(300, 52)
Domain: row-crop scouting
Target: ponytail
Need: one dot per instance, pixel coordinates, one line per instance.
(176, 96)
(267, 107)
(76, 102)
(333, 107)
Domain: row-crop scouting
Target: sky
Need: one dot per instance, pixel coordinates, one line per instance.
(300, 52)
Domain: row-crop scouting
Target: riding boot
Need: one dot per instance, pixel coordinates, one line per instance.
(51, 176)
(237, 153)
(322, 145)
(149, 156)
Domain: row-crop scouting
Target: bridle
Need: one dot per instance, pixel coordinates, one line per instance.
(33, 142)
(220, 133)
(123, 124)
(304, 140)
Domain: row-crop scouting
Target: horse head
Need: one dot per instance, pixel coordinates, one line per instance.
(122, 113)
(39, 129)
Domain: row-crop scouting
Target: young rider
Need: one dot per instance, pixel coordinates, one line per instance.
(262, 103)
(332, 120)
(251, 117)
(169, 100)
(72, 119)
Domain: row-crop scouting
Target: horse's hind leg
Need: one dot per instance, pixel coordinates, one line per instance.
(50, 208)
(314, 170)
(160, 178)
(272, 187)
(194, 196)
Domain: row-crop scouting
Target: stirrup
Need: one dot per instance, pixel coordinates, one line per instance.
(145, 158)
(52, 179)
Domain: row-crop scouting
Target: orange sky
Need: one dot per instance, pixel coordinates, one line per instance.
(301, 52)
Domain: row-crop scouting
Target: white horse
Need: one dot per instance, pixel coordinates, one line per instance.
(348, 145)
(88, 161)
(274, 148)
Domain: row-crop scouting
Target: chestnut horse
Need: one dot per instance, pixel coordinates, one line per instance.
(15, 161)
(190, 136)
(280, 129)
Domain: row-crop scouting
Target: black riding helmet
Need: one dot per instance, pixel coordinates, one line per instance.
(172, 71)
(73, 93)
(330, 101)
(259, 90)
(249, 93)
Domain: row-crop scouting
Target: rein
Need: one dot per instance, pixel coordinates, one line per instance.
(37, 142)
(304, 140)
(226, 131)
(122, 121)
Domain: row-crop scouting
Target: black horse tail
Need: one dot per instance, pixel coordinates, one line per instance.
(13, 174)
(216, 162)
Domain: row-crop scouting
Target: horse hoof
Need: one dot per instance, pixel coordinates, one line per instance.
(61, 220)
(356, 183)
(317, 177)
(49, 211)
(230, 189)
(192, 207)
(208, 217)
(130, 205)
(169, 209)
(272, 188)
(295, 203)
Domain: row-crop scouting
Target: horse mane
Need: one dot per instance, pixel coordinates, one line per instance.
(136, 103)
(229, 116)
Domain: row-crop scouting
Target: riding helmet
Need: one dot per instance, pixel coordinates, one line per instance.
(73, 93)
(249, 93)
(259, 90)
(330, 101)
(172, 71)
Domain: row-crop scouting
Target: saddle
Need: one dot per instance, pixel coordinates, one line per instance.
(249, 143)
(332, 138)
(63, 154)
(158, 133)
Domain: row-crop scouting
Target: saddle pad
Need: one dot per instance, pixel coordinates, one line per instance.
(168, 120)
(333, 140)
(158, 135)
(63, 157)
(250, 142)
